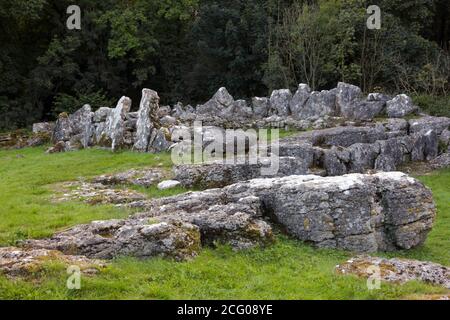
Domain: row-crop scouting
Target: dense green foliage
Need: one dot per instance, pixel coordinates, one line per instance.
(187, 49)
(288, 269)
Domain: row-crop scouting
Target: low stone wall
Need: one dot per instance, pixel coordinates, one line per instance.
(151, 128)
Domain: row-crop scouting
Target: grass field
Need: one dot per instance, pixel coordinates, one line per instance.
(287, 270)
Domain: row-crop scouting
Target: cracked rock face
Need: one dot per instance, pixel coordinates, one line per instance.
(140, 177)
(397, 270)
(97, 193)
(19, 262)
(140, 238)
(362, 213)
(400, 106)
(279, 102)
(147, 116)
(114, 129)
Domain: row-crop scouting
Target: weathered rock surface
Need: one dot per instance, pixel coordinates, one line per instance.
(219, 104)
(97, 193)
(261, 107)
(114, 130)
(44, 127)
(334, 151)
(147, 116)
(299, 100)
(81, 123)
(219, 174)
(19, 262)
(397, 270)
(141, 238)
(363, 213)
(140, 177)
(437, 124)
(400, 106)
(347, 97)
(319, 104)
(280, 101)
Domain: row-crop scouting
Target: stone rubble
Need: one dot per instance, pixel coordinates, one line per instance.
(20, 262)
(397, 270)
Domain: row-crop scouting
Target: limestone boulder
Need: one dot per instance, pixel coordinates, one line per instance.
(147, 117)
(261, 107)
(299, 100)
(397, 270)
(438, 124)
(280, 101)
(400, 106)
(142, 238)
(347, 97)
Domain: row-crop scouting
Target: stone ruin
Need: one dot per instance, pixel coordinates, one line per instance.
(154, 129)
(335, 188)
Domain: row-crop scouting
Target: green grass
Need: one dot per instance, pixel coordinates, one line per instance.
(434, 105)
(26, 179)
(287, 270)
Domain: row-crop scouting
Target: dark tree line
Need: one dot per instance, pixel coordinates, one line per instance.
(187, 49)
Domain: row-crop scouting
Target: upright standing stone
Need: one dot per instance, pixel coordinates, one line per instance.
(279, 102)
(299, 100)
(115, 124)
(400, 106)
(147, 116)
(347, 99)
(81, 122)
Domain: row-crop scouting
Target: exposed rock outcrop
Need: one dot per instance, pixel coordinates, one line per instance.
(397, 270)
(363, 213)
(19, 262)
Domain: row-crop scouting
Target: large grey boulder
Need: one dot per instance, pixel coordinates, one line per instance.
(219, 174)
(438, 124)
(425, 145)
(140, 238)
(299, 100)
(444, 140)
(367, 110)
(241, 110)
(392, 153)
(63, 129)
(346, 136)
(218, 104)
(46, 128)
(81, 122)
(364, 213)
(396, 127)
(158, 141)
(261, 107)
(362, 156)
(102, 114)
(279, 102)
(397, 270)
(347, 97)
(318, 105)
(400, 106)
(147, 116)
